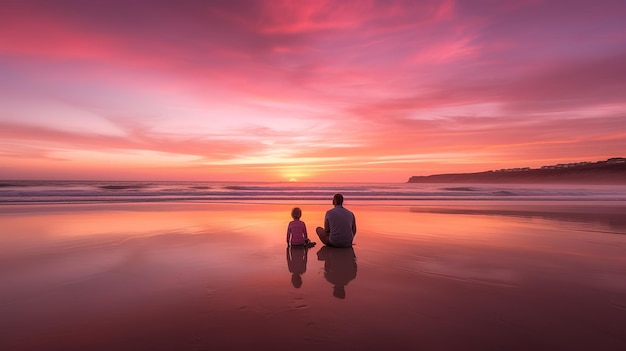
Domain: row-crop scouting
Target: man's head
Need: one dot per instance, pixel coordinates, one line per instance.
(338, 200)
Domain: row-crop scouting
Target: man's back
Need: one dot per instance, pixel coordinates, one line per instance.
(341, 226)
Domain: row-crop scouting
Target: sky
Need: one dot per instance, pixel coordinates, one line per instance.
(249, 90)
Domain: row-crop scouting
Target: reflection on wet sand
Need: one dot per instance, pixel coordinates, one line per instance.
(194, 276)
(296, 262)
(609, 215)
(339, 267)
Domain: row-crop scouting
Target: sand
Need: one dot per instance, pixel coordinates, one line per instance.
(434, 276)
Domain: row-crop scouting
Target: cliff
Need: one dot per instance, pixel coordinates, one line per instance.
(611, 171)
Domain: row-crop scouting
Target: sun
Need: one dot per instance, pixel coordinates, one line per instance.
(293, 180)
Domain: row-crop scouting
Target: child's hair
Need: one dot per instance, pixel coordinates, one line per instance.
(296, 213)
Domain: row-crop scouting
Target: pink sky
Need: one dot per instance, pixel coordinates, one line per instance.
(312, 90)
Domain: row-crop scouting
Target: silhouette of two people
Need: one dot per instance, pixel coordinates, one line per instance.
(340, 266)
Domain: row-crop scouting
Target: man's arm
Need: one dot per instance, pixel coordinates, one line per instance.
(353, 226)
(326, 224)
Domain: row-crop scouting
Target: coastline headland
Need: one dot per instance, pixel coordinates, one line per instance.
(611, 171)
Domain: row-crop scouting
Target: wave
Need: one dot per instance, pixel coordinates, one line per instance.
(504, 193)
(111, 191)
(461, 188)
(122, 187)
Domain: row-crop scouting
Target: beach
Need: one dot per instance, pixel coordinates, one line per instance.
(434, 275)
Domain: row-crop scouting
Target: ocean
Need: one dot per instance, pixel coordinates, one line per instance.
(38, 191)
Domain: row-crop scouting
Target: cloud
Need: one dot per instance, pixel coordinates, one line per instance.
(137, 138)
(323, 84)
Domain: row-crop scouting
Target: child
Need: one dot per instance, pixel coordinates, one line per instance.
(296, 231)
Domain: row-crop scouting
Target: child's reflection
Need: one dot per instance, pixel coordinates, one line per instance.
(296, 262)
(339, 267)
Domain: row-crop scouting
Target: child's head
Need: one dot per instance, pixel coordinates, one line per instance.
(296, 213)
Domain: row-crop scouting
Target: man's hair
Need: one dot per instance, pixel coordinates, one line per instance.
(338, 199)
(296, 213)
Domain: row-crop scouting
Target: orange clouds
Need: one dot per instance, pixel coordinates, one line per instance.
(270, 89)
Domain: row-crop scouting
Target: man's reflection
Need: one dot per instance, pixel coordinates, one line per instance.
(339, 267)
(296, 262)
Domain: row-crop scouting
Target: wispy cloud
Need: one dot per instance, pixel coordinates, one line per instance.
(268, 89)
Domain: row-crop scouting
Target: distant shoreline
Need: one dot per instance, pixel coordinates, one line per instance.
(611, 171)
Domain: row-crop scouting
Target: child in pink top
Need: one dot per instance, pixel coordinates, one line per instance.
(296, 231)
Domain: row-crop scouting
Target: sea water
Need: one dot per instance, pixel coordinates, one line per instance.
(29, 191)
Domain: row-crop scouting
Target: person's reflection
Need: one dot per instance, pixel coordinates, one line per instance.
(339, 267)
(296, 262)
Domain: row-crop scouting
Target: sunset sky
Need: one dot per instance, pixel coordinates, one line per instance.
(311, 90)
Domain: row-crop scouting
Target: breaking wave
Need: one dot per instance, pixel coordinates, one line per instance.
(95, 191)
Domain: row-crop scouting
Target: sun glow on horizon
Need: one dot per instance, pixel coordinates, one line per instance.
(332, 94)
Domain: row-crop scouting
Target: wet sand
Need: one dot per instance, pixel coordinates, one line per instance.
(435, 276)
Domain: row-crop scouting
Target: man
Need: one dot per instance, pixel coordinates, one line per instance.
(339, 225)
